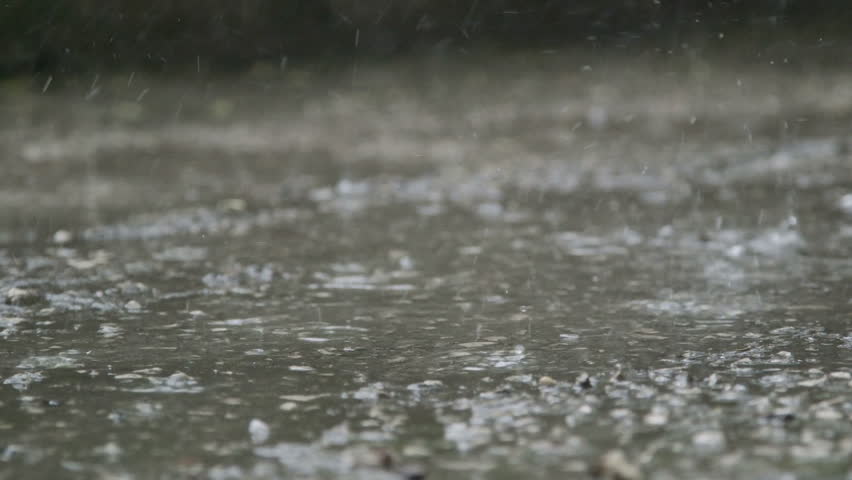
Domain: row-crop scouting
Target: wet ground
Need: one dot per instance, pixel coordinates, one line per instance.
(537, 267)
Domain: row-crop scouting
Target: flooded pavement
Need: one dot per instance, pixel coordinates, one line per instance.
(547, 270)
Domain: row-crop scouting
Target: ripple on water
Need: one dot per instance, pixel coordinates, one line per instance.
(177, 382)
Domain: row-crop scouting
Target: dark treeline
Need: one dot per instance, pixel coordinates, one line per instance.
(163, 35)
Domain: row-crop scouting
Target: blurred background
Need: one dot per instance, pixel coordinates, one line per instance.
(226, 35)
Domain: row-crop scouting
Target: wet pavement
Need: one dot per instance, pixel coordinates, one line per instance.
(547, 269)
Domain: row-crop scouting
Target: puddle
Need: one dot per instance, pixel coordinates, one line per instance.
(360, 295)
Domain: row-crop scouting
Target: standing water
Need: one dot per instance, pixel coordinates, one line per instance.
(585, 269)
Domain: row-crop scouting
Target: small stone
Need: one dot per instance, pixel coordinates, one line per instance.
(709, 440)
(827, 413)
(614, 466)
(301, 368)
(180, 380)
(300, 398)
(781, 417)
(412, 472)
(258, 430)
(814, 382)
(233, 205)
(584, 381)
(22, 296)
(110, 450)
(845, 203)
(546, 381)
(132, 306)
(368, 457)
(416, 450)
(656, 417)
(61, 237)
(385, 459)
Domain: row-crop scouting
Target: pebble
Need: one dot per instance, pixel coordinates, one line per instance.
(180, 380)
(709, 440)
(361, 456)
(258, 430)
(412, 472)
(415, 450)
(546, 381)
(22, 296)
(828, 414)
(233, 205)
(584, 381)
(657, 416)
(845, 203)
(61, 237)
(301, 368)
(614, 465)
(132, 306)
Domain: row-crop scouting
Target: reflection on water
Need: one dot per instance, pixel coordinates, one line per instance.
(477, 286)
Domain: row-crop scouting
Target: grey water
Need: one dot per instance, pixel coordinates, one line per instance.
(555, 269)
